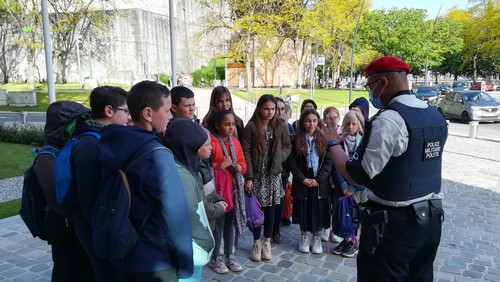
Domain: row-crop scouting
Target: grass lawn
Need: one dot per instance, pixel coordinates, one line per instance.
(71, 92)
(10, 208)
(322, 97)
(16, 158)
(42, 101)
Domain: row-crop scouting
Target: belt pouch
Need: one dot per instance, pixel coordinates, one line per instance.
(420, 212)
(437, 208)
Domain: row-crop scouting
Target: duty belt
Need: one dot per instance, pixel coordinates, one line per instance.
(420, 211)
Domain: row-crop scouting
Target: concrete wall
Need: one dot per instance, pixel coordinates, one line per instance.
(137, 44)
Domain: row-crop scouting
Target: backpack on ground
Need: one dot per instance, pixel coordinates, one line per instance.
(113, 233)
(34, 206)
(342, 222)
(66, 194)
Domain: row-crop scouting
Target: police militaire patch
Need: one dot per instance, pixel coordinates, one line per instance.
(432, 149)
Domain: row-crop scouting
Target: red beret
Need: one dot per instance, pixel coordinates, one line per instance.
(386, 64)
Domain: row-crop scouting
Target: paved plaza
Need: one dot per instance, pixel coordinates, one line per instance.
(469, 249)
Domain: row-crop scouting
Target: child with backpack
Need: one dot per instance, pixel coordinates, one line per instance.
(71, 262)
(109, 106)
(189, 143)
(310, 166)
(228, 162)
(352, 127)
(163, 251)
(266, 145)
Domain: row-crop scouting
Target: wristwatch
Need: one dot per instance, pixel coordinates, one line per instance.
(331, 143)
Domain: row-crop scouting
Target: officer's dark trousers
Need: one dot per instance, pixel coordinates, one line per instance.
(406, 253)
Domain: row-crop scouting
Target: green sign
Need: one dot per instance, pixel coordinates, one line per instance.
(27, 29)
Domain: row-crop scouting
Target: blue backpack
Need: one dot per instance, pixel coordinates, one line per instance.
(34, 206)
(113, 233)
(342, 222)
(63, 169)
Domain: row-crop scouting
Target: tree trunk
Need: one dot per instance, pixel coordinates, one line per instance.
(31, 68)
(64, 68)
(323, 77)
(247, 64)
(255, 75)
(299, 55)
(474, 76)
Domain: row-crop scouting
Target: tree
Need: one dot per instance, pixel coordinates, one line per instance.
(479, 25)
(334, 24)
(71, 20)
(26, 14)
(11, 53)
(408, 35)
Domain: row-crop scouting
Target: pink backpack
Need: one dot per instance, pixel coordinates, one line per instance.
(224, 187)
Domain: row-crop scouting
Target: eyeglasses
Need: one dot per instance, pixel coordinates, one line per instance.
(367, 86)
(126, 111)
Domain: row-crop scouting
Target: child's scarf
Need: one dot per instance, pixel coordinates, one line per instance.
(238, 190)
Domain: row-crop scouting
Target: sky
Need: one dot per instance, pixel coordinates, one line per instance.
(432, 6)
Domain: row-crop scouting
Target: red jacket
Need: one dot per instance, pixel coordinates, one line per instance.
(218, 154)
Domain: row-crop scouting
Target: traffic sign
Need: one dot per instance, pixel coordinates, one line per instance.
(186, 80)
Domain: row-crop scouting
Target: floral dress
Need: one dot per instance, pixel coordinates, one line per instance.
(268, 188)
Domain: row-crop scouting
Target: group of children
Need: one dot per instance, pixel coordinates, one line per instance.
(184, 189)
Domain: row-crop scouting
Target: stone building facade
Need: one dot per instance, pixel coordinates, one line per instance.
(137, 45)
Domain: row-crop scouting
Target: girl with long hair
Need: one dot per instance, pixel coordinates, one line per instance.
(228, 159)
(220, 99)
(310, 167)
(266, 145)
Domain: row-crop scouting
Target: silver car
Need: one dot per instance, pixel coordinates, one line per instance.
(470, 105)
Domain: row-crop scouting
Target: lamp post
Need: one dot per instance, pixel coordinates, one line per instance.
(352, 51)
(79, 69)
(173, 63)
(48, 52)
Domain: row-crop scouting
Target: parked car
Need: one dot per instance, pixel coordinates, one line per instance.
(489, 87)
(426, 93)
(470, 105)
(477, 85)
(460, 85)
(480, 85)
(443, 88)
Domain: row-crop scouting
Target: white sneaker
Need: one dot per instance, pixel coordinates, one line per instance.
(218, 265)
(323, 234)
(233, 264)
(304, 243)
(336, 239)
(256, 254)
(266, 251)
(317, 248)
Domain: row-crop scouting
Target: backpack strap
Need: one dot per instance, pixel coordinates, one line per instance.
(91, 133)
(139, 154)
(142, 152)
(51, 150)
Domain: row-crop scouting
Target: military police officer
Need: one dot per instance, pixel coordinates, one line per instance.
(400, 162)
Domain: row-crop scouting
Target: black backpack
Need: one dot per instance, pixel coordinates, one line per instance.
(34, 206)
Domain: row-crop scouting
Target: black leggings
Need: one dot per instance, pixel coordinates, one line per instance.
(268, 223)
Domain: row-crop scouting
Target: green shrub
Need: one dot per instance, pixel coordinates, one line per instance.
(165, 79)
(28, 134)
(208, 72)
